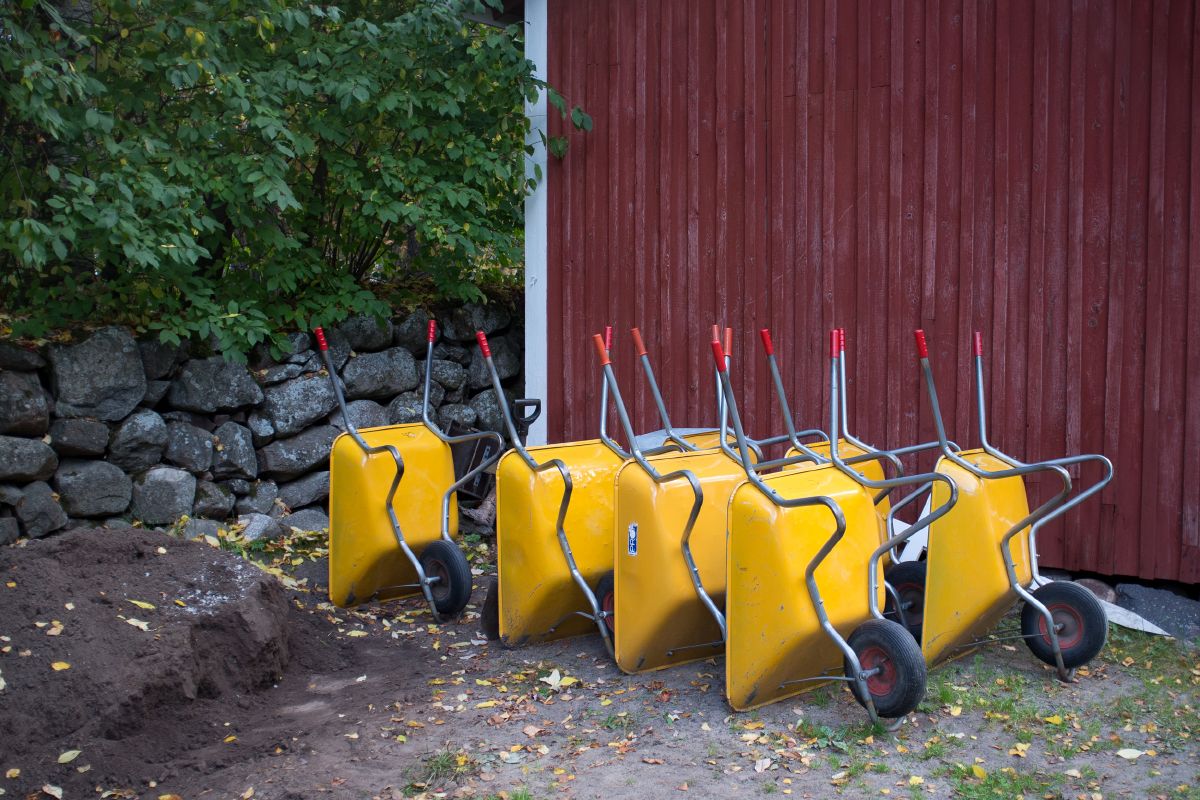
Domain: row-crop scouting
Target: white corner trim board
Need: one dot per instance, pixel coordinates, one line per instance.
(536, 356)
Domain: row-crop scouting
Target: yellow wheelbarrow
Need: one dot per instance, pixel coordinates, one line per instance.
(375, 536)
(554, 533)
(988, 542)
(784, 639)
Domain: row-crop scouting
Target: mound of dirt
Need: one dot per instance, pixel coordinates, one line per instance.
(107, 635)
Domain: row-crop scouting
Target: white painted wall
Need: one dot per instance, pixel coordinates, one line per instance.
(536, 383)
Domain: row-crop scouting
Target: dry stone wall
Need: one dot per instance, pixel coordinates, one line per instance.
(113, 430)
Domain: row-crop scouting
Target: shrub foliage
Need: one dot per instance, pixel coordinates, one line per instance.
(238, 168)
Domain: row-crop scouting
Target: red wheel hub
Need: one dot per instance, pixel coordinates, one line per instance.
(883, 680)
(912, 594)
(608, 606)
(1069, 623)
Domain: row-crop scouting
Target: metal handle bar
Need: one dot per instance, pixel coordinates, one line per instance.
(472, 436)
(656, 393)
(922, 479)
(557, 465)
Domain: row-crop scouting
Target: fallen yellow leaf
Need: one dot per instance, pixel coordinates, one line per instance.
(181, 604)
(13, 773)
(357, 634)
(978, 771)
(59, 666)
(488, 704)
(1019, 749)
(915, 780)
(955, 710)
(1054, 719)
(137, 623)
(53, 791)
(68, 756)
(753, 726)
(229, 739)
(1129, 754)
(143, 604)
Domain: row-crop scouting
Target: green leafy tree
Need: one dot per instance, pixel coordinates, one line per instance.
(239, 168)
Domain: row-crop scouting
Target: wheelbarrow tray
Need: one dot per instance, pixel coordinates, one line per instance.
(871, 469)
(660, 620)
(536, 589)
(774, 634)
(365, 559)
(967, 589)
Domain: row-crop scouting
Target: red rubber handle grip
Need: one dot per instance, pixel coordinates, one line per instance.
(608, 338)
(978, 343)
(638, 343)
(432, 330)
(481, 337)
(922, 348)
(728, 341)
(768, 345)
(322, 344)
(842, 339)
(601, 350)
(718, 355)
(834, 341)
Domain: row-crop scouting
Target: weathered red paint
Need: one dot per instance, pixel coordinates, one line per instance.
(1028, 169)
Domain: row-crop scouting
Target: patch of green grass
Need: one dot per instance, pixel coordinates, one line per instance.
(770, 788)
(1005, 782)
(622, 721)
(444, 765)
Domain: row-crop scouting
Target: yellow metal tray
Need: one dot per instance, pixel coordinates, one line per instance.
(365, 560)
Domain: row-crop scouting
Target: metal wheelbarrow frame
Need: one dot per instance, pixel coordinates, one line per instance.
(373, 547)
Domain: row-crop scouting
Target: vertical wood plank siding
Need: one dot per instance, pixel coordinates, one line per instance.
(1030, 169)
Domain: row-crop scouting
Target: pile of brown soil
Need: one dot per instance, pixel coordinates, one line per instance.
(116, 638)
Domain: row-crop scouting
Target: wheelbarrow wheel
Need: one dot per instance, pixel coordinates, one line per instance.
(445, 561)
(897, 683)
(489, 617)
(606, 598)
(1079, 620)
(907, 578)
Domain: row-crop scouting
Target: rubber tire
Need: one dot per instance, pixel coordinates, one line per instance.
(453, 591)
(902, 688)
(1079, 609)
(606, 594)
(489, 616)
(908, 579)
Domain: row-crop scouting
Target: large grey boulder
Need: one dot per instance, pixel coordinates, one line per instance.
(10, 529)
(363, 414)
(234, 455)
(162, 495)
(197, 528)
(24, 460)
(78, 437)
(290, 458)
(339, 351)
(489, 416)
(449, 351)
(365, 333)
(260, 500)
(213, 384)
(188, 447)
(307, 519)
(504, 357)
(213, 501)
(92, 488)
(23, 407)
(259, 526)
(456, 412)
(160, 359)
(406, 408)
(293, 345)
(38, 512)
(310, 489)
(412, 333)
(278, 373)
(138, 442)
(460, 324)
(261, 429)
(101, 377)
(448, 374)
(22, 359)
(380, 375)
(293, 406)
(9, 495)
(155, 392)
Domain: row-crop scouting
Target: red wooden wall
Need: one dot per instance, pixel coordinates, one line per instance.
(1031, 169)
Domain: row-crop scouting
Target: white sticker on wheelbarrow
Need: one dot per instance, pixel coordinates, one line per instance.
(632, 546)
